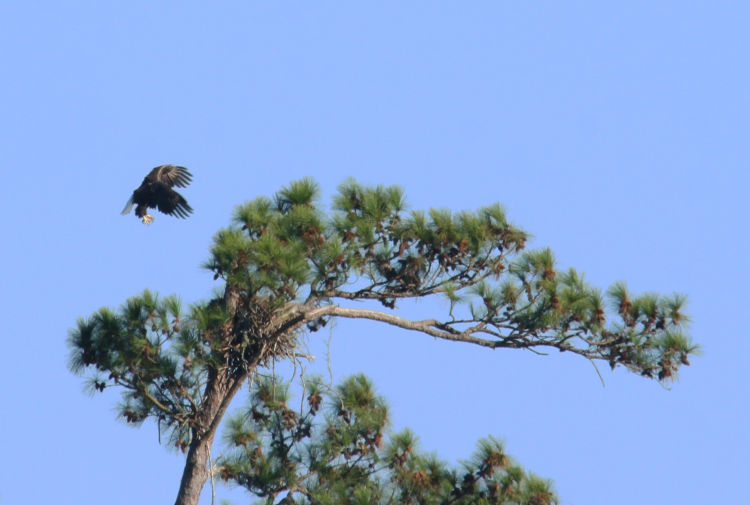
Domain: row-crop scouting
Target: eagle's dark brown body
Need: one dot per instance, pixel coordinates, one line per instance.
(156, 192)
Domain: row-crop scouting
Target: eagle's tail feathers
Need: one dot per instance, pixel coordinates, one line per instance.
(128, 206)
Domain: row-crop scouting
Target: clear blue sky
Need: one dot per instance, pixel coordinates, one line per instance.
(615, 132)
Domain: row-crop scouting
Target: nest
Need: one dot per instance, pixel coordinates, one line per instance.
(256, 340)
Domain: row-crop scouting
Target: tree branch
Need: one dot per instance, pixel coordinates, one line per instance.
(300, 314)
(429, 326)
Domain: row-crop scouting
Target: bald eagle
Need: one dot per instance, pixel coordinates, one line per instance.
(156, 192)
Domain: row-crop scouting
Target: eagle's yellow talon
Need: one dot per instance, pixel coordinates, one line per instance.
(148, 219)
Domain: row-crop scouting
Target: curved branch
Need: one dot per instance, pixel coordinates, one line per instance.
(428, 326)
(301, 314)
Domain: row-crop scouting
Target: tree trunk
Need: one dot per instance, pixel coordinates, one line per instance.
(195, 474)
(220, 389)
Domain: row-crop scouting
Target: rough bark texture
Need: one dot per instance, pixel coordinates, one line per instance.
(195, 473)
(220, 390)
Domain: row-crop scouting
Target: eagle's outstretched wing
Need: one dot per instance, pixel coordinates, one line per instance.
(171, 175)
(172, 203)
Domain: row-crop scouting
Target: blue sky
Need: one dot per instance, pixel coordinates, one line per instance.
(615, 133)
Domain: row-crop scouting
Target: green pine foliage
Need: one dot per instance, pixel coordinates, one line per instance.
(148, 351)
(335, 448)
(370, 241)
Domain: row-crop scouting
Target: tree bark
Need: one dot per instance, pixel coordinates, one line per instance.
(195, 473)
(220, 390)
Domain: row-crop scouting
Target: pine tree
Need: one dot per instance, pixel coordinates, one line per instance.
(288, 267)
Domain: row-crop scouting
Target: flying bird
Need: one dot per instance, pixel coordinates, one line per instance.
(156, 192)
